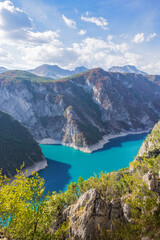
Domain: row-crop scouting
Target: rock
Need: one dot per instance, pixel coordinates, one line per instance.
(92, 213)
(82, 110)
(150, 179)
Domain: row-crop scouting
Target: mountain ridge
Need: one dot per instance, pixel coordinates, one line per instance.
(126, 69)
(85, 110)
(55, 72)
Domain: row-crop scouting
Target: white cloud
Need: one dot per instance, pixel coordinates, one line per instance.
(12, 18)
(43, 37)
(151, 36)
(5, 57)
(82, 32)
(69, 22)
(100, 22)
(139, 38)
(109, 38)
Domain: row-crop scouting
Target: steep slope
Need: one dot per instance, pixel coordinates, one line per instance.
(126, 69)
(118, 205)
(56, 72)
(17, 146)
(84, 110)
(155, 79)
(122, 205)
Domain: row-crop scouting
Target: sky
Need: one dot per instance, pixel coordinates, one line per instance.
(72, 33)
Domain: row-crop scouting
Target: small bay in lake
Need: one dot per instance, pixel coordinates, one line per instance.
(66, 164)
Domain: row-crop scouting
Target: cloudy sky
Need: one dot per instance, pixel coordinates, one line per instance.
(93, 33)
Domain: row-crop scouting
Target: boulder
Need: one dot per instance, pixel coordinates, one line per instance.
(92, 213)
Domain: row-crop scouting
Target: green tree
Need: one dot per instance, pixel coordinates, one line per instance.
(25, 212)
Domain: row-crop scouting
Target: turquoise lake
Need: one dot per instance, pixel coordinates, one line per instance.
(66, 164)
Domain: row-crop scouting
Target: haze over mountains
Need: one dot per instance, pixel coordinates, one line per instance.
(126, 69)
(3, 69)
(81, 110)
(55, 71)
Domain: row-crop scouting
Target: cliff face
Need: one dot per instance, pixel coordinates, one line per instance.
(17, 146)
(81, 110)
(151, 145)
(119, 205)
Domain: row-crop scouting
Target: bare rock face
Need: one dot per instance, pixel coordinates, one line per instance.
(151, 180)
(80, 111)
(151, 146)
(92, 213)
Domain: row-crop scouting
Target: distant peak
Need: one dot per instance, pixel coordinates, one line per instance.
(126, 69)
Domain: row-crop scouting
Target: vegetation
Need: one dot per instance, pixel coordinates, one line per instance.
(27, 214)
(16, 145)
(20, 76)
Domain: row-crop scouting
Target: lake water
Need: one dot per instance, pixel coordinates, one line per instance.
(66, 164)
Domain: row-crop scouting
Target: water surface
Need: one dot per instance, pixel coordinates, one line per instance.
(66, 164)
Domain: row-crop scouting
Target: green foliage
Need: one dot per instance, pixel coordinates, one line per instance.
(19, 76)
(16, 146)
(25, 213)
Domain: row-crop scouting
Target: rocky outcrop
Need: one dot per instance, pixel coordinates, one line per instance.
(81, 111)
(151, 146)
(151, 180)
(92, 213)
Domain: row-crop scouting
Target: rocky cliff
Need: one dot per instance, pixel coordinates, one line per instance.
(119, 205)
(151, 145)
(17, 146)
(81, 111)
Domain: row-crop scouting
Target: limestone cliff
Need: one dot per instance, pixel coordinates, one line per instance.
(83, 110)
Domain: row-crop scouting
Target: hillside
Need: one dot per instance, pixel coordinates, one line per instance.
(55, 72)
(84, 110)
(19, 76)
(17, 146)
(126, 69)
(122, 205)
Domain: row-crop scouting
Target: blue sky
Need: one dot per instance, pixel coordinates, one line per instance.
(73, 33)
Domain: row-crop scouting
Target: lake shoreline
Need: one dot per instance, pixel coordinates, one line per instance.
(94, 147)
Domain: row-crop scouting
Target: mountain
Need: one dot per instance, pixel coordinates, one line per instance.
(126, 69)
(155, 79)
(82, 111)
(2, 69)
(17, 146)
(56, 72)
(19, 76)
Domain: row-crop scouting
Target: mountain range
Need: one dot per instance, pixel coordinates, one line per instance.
(55, 71)
(126, 69)
(81, 111)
